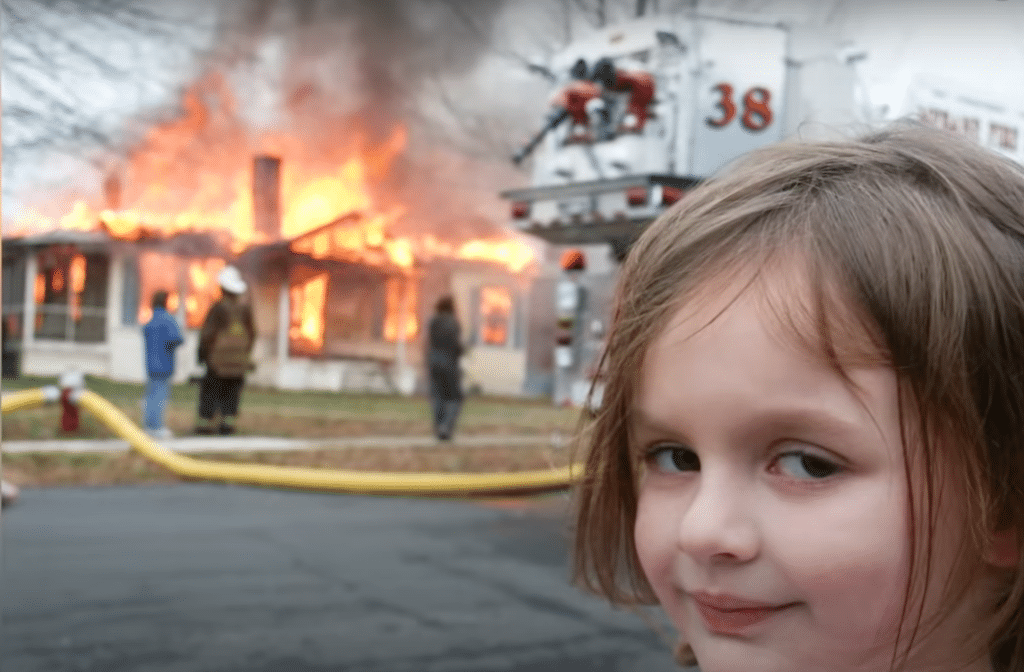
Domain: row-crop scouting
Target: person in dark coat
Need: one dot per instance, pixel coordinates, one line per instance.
(444, 372)
(225, 346)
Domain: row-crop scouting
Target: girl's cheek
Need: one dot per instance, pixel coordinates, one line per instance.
(852, 574)
(659, 566)
(655, 543)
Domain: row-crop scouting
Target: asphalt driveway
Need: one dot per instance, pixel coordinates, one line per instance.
(213, 578)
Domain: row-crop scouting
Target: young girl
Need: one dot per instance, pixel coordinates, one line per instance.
(810, 450)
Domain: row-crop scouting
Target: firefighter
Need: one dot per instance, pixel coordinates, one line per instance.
(225, 347)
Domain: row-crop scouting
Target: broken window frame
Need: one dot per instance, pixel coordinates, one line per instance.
(14, 268)
(91, 306)
(137, 298)
(513, 338)
(370, 284)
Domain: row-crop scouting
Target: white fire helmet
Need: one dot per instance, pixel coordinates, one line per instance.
(231, 280)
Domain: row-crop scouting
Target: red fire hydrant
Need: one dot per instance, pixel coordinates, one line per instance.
(71, 385)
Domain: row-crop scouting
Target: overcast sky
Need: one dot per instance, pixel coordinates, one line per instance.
(976, 44)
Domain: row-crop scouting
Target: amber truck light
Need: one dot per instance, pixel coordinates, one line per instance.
(670, 195)
(636, 196)
(573, 260)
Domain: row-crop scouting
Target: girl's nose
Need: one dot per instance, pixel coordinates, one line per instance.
(720, 522)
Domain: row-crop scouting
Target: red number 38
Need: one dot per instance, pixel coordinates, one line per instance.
(757, 111)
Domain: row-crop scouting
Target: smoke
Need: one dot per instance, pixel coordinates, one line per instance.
(371, 59)
(314, 82)
(321, 69)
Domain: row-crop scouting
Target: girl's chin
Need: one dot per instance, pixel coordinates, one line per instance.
(721, 657)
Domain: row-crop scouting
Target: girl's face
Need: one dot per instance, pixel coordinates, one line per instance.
(773, 509)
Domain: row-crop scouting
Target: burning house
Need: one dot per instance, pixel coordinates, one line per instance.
(329, 315)
(338, 306)
(346, 230)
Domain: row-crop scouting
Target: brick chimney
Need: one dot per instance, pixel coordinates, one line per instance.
(266, 196)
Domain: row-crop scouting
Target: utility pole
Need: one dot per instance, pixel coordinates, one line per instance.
(641, 7)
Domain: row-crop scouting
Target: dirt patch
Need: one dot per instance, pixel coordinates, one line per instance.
(57, 469)
(390, 418)
(94, 469)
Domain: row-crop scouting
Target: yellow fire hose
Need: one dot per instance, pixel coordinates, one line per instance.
(302, 478)
(18, 401)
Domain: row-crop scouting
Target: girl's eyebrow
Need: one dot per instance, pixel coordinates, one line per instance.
(772, 419)
(641, 423)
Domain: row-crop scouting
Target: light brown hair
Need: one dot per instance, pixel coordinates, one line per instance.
(921, 235)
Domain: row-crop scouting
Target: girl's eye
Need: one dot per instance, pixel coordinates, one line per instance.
(670, 459)
(806, 466)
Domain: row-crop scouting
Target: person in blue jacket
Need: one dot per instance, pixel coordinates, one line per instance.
(162, 336)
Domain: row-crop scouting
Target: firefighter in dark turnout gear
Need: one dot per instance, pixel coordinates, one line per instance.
(225, 346)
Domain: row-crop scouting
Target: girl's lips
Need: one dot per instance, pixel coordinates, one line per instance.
(726, 615)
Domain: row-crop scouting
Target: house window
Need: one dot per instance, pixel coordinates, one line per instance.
(307, 298)
(495, 321)
(333, 306)
(193, 278)
(13, 297)
(337, 308)
(400, 309)
(70, 293)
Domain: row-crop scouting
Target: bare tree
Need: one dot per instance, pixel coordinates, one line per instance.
(68, 64)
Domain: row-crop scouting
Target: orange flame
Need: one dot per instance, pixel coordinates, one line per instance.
(495, 314)
(77, 273)
(77, 276)
(356, 240)
(194, 174)
(400, 309)
(40, 288)
(307, 312)
(512, 253)
(172, 274)
(201, 289)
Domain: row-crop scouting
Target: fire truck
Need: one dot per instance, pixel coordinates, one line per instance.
(642, 111)
(976, 115)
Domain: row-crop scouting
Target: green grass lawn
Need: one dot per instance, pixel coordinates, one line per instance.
(315, 415)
